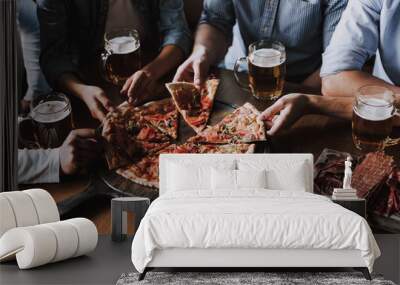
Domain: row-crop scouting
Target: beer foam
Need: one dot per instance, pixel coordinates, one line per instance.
(123, 45)
(374, 109)
(266, 57)
(50, 112)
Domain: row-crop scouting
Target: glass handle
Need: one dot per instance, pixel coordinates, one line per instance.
(23, 140)
(389, 141)
(241, 64)
(104, 58)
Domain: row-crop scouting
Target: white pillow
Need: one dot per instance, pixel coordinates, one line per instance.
(223, 179)
(188, 175)
(290, 175)
(226, 179)
(251, 178)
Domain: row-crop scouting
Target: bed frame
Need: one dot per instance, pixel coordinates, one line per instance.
(245, 258)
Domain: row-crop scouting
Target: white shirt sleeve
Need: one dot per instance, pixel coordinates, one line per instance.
(38, 166)
(355, 39)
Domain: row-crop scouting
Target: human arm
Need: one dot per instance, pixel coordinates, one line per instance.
(176, 44)
(346, 83)
(56, 56)
(38, 166)
(354, 41)
(213, 37)
(58, 59)
(94, 97)
(288, 109)
(48, 165)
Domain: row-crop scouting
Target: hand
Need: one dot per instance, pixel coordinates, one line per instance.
(79, 149)
(97, 102)
(25, 106)
(285, 112)
(194, 69)
(139, 87)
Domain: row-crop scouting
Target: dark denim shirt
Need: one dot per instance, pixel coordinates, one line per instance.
(305, 27)
(72, 31)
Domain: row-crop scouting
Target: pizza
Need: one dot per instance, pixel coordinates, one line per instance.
(163, 115)
(241, 126)
(145, 172)
(194, 105)
(132, 132)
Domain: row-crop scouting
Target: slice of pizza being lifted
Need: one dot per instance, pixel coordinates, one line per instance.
(194, 105)
(241, 126)
(145, 172)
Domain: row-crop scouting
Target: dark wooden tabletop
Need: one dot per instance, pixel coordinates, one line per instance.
(311, 134)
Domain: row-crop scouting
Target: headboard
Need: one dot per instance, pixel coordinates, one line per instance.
(266, 160)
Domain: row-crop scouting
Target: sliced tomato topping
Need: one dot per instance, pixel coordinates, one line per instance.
(146, 133)
(205, 102)
(196, 120)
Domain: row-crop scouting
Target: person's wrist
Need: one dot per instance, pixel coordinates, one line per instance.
(201, 51)
(151, 72)
(309, 103)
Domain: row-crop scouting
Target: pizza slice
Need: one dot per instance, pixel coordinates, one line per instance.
(162, 115)
(126, 123)
(194, 105)
(145, 172)
(128, 135)
(241, 126)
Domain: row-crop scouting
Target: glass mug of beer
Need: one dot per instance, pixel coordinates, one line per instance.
(265, 69)
(373, 113)
(122, 55)
(50, 120)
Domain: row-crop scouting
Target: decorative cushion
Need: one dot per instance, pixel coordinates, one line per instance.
(184, 175)
(227, 179)
(7, 219)
(46, 207)
(224, 179)
(290, 175)
(26, 208)
(40, 244)
(251, 178)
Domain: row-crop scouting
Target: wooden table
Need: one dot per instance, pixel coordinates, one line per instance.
(311, 134)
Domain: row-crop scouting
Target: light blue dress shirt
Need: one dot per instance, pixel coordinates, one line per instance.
(367, 28)
(305, 27)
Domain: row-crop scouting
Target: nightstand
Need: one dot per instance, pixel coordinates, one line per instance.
(119, 207)
(356, 205)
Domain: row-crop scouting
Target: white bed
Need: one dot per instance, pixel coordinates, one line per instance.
(280, 225)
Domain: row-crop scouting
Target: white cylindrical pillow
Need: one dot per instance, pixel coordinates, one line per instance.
(67, 240)
(87, 235)
(7, 218)
(37, 245)
(33, 246)
(23, 208)
(45, 205)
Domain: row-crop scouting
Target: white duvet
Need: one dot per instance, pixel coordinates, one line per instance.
(250, 219)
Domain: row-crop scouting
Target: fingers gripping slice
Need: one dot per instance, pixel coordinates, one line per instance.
(195, 106)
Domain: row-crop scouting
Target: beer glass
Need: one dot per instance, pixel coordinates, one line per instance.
(122, 55)
(265, 69)
(372, 122)
(52, 119)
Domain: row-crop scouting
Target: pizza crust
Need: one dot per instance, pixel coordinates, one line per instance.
(207, 97)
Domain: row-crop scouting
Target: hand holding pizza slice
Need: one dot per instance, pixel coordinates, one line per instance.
(194, 105)
(241, 126)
